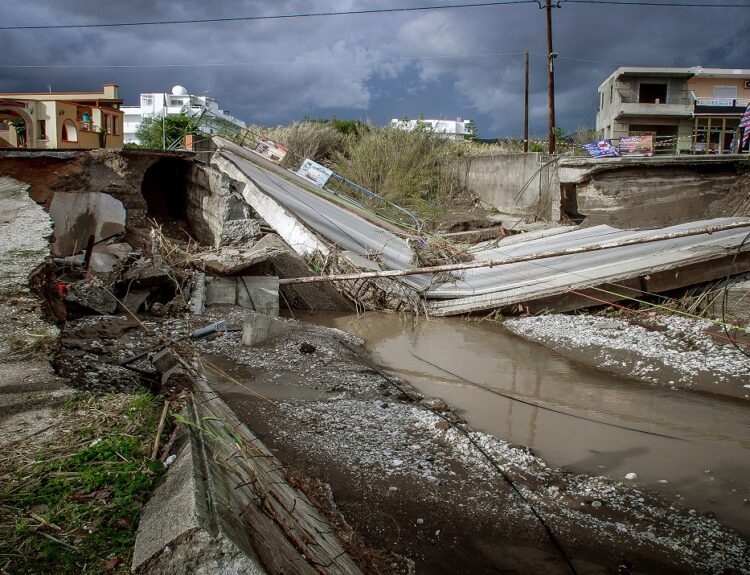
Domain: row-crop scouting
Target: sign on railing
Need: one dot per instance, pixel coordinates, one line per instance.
(314, 172)
(271, 150)
(636, 146)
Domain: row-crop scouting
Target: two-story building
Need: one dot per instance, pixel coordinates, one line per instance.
(687, 110)
(62, 120)
(159, 104)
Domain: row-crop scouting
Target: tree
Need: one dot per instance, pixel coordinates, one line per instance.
(471, 131)
(151, 131)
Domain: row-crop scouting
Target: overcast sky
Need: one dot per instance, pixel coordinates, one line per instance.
(444, 64)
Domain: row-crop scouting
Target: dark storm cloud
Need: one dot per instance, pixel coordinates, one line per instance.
(444, 63)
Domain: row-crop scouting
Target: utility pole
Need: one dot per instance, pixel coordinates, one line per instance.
(550, 79)
(526, 105)
(164, 123)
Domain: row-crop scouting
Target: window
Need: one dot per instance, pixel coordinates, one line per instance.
(725, 92)
(601, 100)
(69, 132)
(115, 129)
(42, 127)
(652, 94)
(611, 92)
(147, 100)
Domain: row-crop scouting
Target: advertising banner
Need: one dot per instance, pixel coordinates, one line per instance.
(271, 150)
(314, 173)
(603, 149)
(637, 146)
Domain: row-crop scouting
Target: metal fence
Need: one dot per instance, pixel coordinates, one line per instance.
(337, 188)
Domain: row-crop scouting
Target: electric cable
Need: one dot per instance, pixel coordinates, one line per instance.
(550, 534)
(538, 406)
(269, 17)
(657, 4)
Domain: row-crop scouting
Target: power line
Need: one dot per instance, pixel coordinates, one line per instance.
(271, 17)
(265, 62)
(660, 4)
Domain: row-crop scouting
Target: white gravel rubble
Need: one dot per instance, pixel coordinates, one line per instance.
(402, 441)
(673, 351)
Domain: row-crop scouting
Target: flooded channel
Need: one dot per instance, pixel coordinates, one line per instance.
(689, 446)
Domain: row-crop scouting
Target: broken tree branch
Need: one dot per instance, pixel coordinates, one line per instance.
(159, 429)
(497, 262)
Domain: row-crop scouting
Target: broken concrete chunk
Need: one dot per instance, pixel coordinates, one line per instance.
(221, 291)
(134, 300)
(285, 263)
(242, 232)
(198, 297)
(165, 360)
(144, 274)
(175, 379)
(91, 297)
(228, 261)
(257, 293)
(78, 215)
(259, 327)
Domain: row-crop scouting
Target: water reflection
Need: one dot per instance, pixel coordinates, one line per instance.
(714, 433)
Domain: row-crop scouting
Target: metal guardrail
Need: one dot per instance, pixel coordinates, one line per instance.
(351, 192)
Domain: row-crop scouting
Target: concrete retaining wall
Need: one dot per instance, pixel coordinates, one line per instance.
(622, 192)
(514, 184)
(654, 192)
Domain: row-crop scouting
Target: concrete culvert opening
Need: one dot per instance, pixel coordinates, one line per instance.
(165, 189)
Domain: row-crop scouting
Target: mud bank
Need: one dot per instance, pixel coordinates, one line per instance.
(411, 484)
(670, 351)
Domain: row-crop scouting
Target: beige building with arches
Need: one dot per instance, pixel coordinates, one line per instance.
(62, 120)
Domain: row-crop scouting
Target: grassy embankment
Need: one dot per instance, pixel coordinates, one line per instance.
(70, 497)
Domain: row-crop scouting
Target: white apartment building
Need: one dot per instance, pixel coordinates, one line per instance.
(456, 129)
(177, 102)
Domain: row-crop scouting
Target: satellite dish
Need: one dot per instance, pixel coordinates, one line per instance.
(179, 91)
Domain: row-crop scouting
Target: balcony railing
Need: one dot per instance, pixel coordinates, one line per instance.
(723, 102)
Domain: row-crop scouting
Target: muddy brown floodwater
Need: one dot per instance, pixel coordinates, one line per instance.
(707, 466)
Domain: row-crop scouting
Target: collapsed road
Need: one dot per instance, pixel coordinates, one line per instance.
(296, 453)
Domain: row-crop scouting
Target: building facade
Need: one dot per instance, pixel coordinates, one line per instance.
(62, 120)
(457, 129)
(687, 110)
(159, 104)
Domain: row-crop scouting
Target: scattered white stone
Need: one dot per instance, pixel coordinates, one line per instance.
(420, 521)
(170, 460)
(631, 476)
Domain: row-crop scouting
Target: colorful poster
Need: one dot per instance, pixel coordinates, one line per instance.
(314, 172)
(602, 149)
(271, 150)
(637, 146)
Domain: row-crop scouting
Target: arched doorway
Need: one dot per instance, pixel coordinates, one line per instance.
(69, 131)
(16, 127)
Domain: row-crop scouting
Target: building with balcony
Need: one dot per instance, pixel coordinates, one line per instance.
(212, 119)
(62, 120)
(687, 110)
(457, 129)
